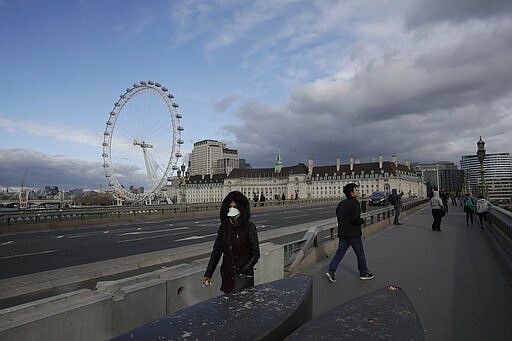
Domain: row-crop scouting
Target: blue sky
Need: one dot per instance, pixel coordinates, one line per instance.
(316, 79)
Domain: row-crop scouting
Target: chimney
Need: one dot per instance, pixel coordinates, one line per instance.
(351, 163)
(310, 167)
(380, 161)
(338, 164)
(408, 164)
(394, 160)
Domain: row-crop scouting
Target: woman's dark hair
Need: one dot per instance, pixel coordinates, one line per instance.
(349, 188)
(242, 204)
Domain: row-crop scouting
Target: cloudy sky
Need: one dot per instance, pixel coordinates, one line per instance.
(315, 79)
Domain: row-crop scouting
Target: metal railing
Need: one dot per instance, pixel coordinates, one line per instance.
(81, 215)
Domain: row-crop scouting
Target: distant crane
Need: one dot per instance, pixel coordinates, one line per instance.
(23, 193)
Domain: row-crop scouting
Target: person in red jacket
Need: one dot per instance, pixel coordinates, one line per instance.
(348, 213)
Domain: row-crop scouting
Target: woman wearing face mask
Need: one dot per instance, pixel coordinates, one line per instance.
(235, 230)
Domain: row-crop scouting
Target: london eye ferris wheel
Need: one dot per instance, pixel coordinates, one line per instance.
(141, 142)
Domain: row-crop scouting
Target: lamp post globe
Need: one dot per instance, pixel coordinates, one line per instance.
(480, 150)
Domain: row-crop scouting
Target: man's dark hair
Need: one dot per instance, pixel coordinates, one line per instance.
(242, 203)
(349, 188)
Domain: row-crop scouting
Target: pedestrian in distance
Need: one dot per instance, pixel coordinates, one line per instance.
(349, 218)
(395, 199)
(236, 240)
(482, 207)
(437, 211)
(453, 196)
(444, 198)
(469, 208)
(460, 199)
(262, 199)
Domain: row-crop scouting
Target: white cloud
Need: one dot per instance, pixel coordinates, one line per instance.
(54, 130)
(225, 103)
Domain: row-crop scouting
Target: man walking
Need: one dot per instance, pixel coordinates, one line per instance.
(395, 199)
(348, 213)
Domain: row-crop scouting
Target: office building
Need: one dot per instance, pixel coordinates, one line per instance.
(497, 175)
(211, 157)
(442, 175)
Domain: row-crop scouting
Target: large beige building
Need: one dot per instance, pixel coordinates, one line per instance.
(301, 181)
(211, 157)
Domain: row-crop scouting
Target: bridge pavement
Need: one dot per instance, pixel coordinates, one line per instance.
(451, 277)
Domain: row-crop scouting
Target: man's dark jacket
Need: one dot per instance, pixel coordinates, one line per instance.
(349, 218)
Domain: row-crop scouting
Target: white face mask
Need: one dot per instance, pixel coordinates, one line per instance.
(233, 212)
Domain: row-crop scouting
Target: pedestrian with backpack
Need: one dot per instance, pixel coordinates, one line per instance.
(469, 208)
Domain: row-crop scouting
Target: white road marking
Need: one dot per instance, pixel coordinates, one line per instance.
(154, 231)
(144, 238)
(153, 237)
(7, 243)
(78, 235)
(29, 254)
(195, 237)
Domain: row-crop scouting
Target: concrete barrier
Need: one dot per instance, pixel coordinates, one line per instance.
(269, 311)
(118, 306)
(383, 314)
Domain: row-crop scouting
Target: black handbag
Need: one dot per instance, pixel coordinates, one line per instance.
(443, 211)
(240, 281)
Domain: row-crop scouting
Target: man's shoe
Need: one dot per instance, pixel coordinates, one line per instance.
(398, 224)
(369, 275)
(331, 277)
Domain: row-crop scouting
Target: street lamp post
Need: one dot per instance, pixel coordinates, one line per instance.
(183, 176)
(481, 156)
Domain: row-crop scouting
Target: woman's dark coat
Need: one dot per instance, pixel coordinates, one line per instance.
(244, 241)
